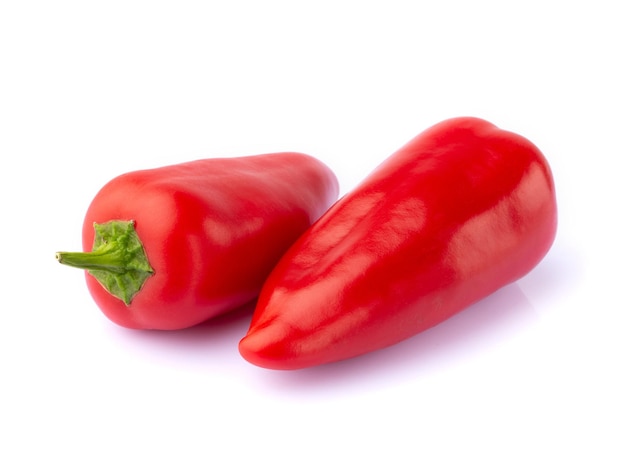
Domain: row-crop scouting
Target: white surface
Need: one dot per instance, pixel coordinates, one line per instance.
(89, 90)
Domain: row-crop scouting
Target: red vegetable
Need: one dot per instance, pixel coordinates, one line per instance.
(177, 245)
(460, 211)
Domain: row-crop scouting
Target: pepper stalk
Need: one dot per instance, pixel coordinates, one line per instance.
(117, 259)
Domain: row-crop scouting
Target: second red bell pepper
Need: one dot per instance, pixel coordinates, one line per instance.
(460, 211)
(168, 248)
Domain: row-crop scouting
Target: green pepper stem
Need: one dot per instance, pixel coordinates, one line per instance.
(118, 260)
(109, 258)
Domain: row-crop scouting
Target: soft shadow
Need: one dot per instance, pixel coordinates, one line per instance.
(209, 345)
(557, 274)
(481, 326)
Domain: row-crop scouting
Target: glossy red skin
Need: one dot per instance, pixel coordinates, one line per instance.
(460, 211)
(212, 230)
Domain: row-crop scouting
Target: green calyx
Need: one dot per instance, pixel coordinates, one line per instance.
(117, 260)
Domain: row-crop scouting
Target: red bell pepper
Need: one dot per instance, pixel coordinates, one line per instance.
(174, 246)
(460, 211)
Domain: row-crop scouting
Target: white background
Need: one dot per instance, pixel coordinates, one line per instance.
(89, 90)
